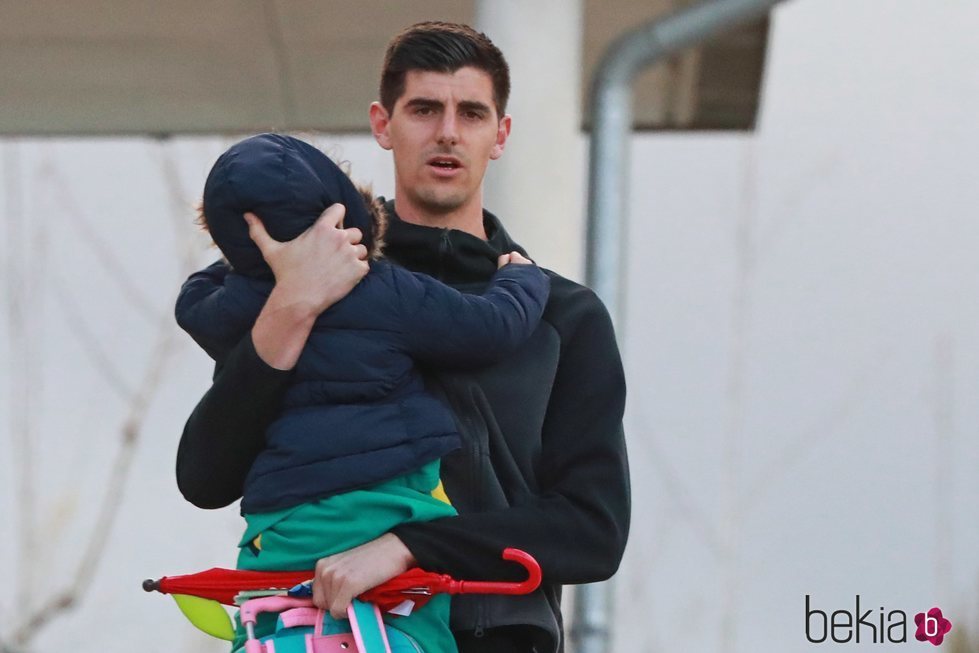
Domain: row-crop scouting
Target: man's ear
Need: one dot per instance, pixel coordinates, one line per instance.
(502, 133)
(380, 120)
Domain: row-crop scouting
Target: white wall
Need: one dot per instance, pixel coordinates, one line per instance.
(801, 344)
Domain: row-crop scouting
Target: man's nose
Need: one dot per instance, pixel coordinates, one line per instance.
(448, 129)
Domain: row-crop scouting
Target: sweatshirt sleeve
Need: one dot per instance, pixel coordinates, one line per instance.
(226, 431)
(576, 525)
(446, 328)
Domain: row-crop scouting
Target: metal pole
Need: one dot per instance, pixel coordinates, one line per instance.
(611, 99)
(608, 198)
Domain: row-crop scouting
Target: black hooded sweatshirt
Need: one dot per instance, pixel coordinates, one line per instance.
(543, 463)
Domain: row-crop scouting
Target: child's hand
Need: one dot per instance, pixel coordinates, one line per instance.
(513, 257)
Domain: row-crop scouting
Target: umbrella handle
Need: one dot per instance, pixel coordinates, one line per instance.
(524, 559)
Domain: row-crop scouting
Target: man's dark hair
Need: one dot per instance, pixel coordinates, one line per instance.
(443, 48)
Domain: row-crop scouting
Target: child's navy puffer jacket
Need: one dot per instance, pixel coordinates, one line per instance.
(357, 412)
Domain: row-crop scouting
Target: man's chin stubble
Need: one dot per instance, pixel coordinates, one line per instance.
(436, 205)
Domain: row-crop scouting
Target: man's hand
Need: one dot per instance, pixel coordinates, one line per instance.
(312, 272)
(320, 266)
(342, 577)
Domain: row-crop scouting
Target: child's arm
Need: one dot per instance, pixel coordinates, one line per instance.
(216, 318)
(447, 328)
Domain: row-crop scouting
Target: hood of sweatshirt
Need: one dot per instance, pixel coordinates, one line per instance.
(452, 256)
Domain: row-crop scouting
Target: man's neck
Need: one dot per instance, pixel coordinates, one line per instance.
(466, 218)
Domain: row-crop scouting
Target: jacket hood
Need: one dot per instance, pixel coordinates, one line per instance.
(287, 183)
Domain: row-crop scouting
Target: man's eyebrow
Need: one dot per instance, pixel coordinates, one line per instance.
(432, 103)
(473, 105)
(424, 102)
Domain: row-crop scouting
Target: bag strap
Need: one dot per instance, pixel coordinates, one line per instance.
(368, 627)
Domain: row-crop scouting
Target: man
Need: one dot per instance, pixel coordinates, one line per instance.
(543, 465)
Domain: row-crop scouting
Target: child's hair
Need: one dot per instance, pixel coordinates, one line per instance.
(288, 183)
(199, 218)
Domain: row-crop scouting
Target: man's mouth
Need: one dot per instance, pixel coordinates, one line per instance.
(445, 163)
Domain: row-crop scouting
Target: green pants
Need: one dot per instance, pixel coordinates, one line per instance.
(295, 538)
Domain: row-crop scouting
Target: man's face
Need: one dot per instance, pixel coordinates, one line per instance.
(443, 131)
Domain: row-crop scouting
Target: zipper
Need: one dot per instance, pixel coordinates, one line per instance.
(444, 246)
(479, 631)
(475, 483)
(411, 640)
(480, 450)
(479, 460)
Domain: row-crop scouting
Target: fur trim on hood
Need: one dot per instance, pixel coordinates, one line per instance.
(379, 221)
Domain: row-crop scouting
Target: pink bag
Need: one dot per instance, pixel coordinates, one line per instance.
(300, 629)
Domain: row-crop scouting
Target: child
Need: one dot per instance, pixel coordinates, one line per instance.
(356, 448)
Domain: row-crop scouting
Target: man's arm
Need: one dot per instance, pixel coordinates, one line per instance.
(577, 524)
(226, 431)
(227, 428)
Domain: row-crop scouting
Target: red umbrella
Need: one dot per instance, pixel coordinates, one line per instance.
(419, 586)
(415, 584)
(223, 584)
